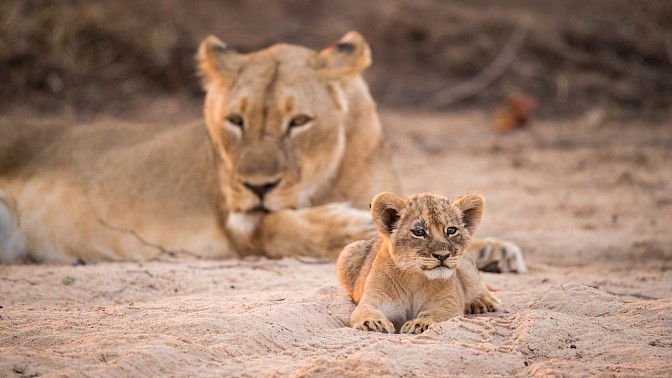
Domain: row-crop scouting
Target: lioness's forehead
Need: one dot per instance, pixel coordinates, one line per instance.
(285, 60)
(284, 52)
(280, 66)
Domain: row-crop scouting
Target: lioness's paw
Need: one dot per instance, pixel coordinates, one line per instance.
(352, 224)
(416, 326)
(485, 302)
(375, 325)
(498, 256)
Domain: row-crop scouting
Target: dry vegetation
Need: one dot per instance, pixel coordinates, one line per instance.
(94, 56)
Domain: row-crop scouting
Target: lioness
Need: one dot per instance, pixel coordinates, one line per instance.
(417, 270)
(291, 152)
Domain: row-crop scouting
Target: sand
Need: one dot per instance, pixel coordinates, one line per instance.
(589, 201)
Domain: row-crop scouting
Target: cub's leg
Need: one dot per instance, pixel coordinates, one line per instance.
(320, 231)
(417, 325)
(350, 267)
(484, 302)
(368, 317)
(446, 307)
(497, 256)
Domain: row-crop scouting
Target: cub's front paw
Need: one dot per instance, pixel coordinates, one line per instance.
(416, 326)
(375, 325)
(485, 302)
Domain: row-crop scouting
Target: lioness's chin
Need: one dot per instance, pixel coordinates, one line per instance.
(439, 273)
(244, 222)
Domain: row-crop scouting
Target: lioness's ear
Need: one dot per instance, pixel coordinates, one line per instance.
(471, 206)
(349, 56)
(385, 209)
(218, 63)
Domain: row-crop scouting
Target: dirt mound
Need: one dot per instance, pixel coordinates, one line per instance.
(569, 55)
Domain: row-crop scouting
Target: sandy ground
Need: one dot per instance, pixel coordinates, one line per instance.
(589, 201)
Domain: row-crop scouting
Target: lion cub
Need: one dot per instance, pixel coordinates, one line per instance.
(417, 270)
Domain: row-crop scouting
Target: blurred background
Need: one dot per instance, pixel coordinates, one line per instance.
(584, 187)
(565, 56)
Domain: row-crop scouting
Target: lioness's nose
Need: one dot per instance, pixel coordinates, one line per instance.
(262, 189)
(440, 257)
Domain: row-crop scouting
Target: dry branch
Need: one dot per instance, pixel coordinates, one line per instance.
(485, 77)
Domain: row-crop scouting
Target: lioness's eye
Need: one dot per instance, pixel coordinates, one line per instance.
(451, 230)
(236, 120)
(299, 120)
(419, 232)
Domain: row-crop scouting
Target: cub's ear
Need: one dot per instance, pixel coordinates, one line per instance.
(471, 206)
(349, 56)
(218, 64)
(385, 210)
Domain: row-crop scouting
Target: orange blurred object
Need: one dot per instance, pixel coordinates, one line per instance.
(515, 112)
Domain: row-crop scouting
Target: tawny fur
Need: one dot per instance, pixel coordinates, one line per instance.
(402, 281)
(114, 191)
(298, 122)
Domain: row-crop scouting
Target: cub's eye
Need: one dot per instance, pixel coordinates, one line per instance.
(299, 120)
(419, 232)
(451, 230)
(236, 120)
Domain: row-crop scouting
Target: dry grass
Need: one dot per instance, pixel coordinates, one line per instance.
(87, 53)
(96, 55)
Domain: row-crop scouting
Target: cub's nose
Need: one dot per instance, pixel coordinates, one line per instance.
(440, 256)
(261, 189)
